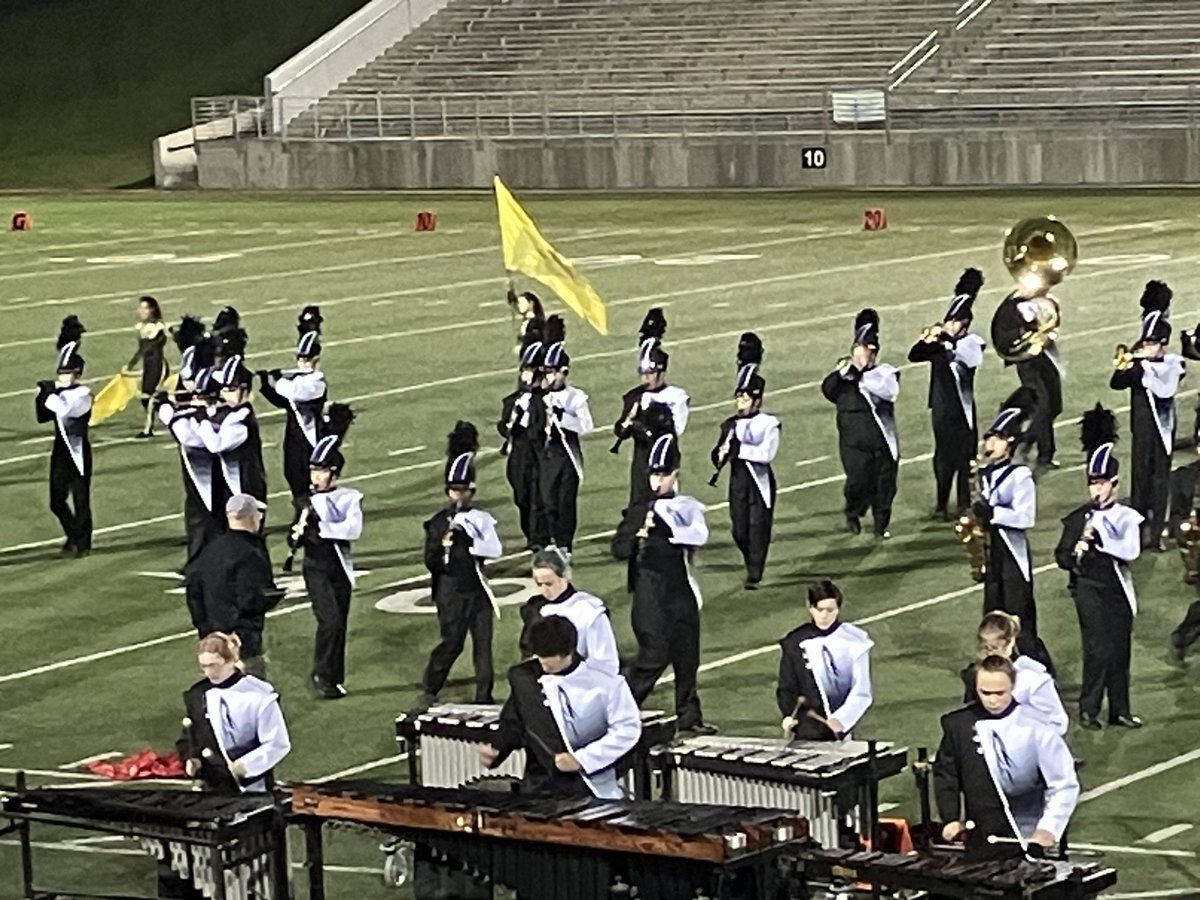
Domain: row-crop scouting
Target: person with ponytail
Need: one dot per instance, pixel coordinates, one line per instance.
(1033, 687)
(557, 596)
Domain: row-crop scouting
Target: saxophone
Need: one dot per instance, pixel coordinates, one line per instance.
(1188, 541)
(971, 533)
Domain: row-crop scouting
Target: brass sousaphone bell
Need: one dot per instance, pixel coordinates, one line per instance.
(1039, 253)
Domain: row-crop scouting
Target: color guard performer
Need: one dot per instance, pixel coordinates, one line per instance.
(1007, 509)
(574, 721)
(865, 393)
(328, 523)
(1099, 541)
(522, 425)
(301, 393)
(748, 443)
(568, 418)
(1033, 685)
(528, 307)
(1004, 778)
(230, 432)
(824, 686)
(651, 409)
(1152, 377)
(457, 541)
(954, 353)
(152, 340)
(657, 538)
(68, 404)
(557, 596)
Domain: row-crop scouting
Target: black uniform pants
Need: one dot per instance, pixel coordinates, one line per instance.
(667, 628)
(295, 472)
(1150, 481)
(1005, 589)
(639, 475)
(522, 473)
(1189, 629)
(752, 520)
(559, 487)
(953, 449)
(198, 524)
(1106, 627)
(74, 517)
(460, 614)
(329, 593)
(1041, 374)
(870, 483)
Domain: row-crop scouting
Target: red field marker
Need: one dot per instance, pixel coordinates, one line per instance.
(21, 222)
(875, 219)
(426, 221)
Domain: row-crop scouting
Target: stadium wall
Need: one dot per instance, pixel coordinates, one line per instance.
(903, 159)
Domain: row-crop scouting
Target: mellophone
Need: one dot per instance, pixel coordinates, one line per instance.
(948, 875)
(571, 849)
(440, 744)
(833, 784)
(227, 847)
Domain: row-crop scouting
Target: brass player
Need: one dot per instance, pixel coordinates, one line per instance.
(1007, 509)
(328, 523)
(1099, 541)
(651, 409)
(657, 538)
(522, 425)
(301, 393)
(864, 392)
(1185, 482)
(1152, 376)
(568, 418)
(1004, 778)
(230, 433)
(457, 541)
(954, 353)
(747, 444)
(67, 403)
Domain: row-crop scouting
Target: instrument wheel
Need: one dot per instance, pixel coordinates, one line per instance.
(396, 867)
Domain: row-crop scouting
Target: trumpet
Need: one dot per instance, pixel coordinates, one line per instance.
(842, 363)
(1124, 357)
(931, 334)
(1188, 541)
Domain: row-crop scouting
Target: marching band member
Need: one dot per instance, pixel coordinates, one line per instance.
(865, 393)
(657, 539)
(824, 686)
(1007, 509)
(1033, 686)
(568, 418)
(1042, 374)
(1185, 483)
(229, 585)
(651, 409)
(457, 541)
(234, 734)
(301, 394)
(1099, 541)
(68, 404)
(1152, 377)
(954, 353)
(152, 340)
(522, 425)
(1004, 778)
(328, 523)
(557, 596)
(182, 415)
(574, 721)
(230, 432)
(748, 443)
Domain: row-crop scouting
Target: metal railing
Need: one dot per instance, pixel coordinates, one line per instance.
(230, 117)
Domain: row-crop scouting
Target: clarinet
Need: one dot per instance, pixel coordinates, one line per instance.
(627, 423)
(297, 536)
(723, 455)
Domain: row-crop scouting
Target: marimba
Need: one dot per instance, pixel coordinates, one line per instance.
(579, 849)
(228, 847)
(442, 740)
(833, 784)
(949, 875)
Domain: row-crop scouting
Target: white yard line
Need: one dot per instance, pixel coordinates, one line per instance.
(365, 767)
(79, 763)
(1133, 851)
(76, 848)
(404, 451)
(50, 773)
(1140, 775)
(1192, 893)
(1164, 834)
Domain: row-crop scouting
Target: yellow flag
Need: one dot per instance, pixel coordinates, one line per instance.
(527, 252)
(114, 397)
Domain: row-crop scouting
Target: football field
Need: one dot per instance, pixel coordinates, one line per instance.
(96, 652)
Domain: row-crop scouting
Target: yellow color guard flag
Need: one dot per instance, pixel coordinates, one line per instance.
(527, 252)
(114, 397)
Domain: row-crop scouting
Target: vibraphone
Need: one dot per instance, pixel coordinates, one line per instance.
(548, 849)
(230, 848)
(949, 875)
(833, 784)
(444, 737)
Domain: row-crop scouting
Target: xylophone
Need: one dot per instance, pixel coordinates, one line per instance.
(555, 849)
(444, 739)
(833, 784)
(948, 875)
(227, 847)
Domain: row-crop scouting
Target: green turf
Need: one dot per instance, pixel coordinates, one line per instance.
(418, 334)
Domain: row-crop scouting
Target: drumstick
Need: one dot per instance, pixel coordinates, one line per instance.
(542, 744)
